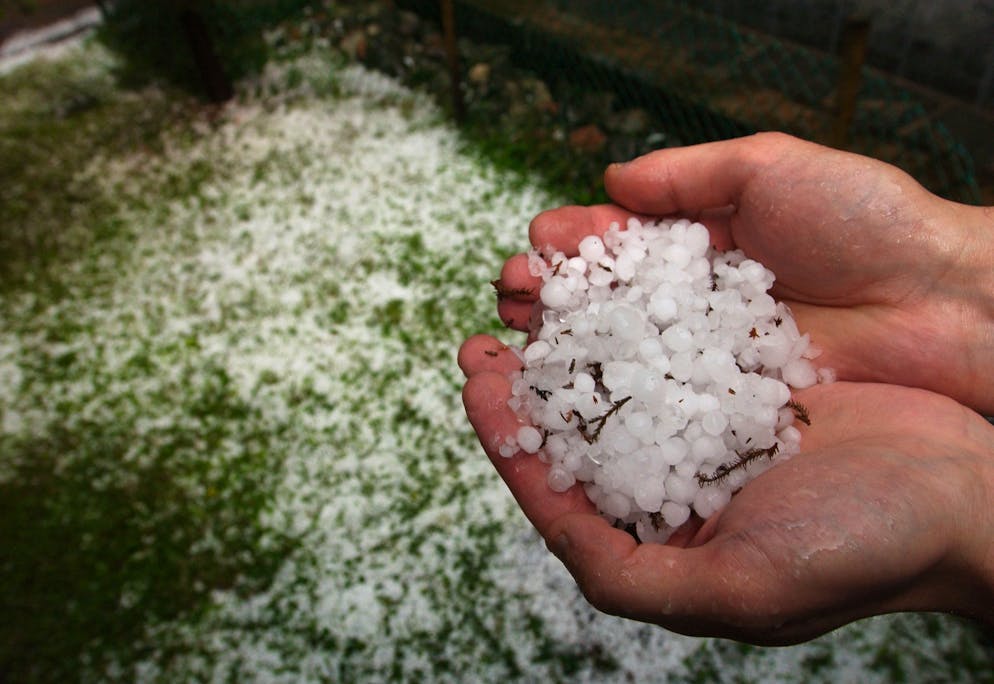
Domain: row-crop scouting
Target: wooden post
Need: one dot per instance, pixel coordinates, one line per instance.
(852, 56)
(216, 83)
(452, 53)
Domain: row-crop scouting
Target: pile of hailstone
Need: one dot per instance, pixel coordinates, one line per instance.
(659, 374)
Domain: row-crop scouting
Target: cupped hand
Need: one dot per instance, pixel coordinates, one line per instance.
(886, 508)
(894, 283)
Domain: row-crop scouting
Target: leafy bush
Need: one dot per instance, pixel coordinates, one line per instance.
(151, 36)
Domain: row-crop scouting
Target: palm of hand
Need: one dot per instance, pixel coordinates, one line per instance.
(865, 520)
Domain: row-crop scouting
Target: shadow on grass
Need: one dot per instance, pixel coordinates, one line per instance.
(56, 117)
(109, 528)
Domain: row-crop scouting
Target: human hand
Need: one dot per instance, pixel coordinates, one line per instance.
(895, 284)
(886, 508)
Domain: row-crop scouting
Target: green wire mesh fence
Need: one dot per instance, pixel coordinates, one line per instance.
(701, 77)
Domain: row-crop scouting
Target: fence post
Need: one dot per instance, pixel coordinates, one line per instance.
(452, 53)
(216, 83)
(852, 55)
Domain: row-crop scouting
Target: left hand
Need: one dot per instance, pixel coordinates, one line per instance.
(886, 508)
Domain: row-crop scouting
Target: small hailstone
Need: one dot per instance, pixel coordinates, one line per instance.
(660, 374)
(560, 479)
(591, 248)
(675, 514)
(529, 439)
(554, 294)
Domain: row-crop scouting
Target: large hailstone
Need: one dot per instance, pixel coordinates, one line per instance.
(660, 374)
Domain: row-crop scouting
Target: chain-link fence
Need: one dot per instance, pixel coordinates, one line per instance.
(702, 77)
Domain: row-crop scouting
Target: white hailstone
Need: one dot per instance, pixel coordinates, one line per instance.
(674, 450)
(799, 373)
(537, 350)
(674, 514)
(584, 383)
(560, 479)
(555, 294)
(591, 248)
(660, 374)
(529, 439)
(648, 493)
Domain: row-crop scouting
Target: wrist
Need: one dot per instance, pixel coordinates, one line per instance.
(975, 528)
(966, 300)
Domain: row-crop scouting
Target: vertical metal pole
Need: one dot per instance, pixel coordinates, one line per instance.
(852, 55)
(452, 53)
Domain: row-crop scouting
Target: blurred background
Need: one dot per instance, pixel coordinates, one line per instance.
(240, 243)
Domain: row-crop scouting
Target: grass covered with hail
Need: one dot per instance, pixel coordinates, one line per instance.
(232, 442)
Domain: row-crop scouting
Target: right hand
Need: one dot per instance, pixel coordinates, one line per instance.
(895, 284)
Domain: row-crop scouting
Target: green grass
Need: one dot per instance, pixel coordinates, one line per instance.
(231, 440)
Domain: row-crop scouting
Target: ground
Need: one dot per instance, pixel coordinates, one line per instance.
(231, 441)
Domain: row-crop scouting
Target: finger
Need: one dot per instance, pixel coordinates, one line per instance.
(514, 314)
(719, 225)
(686, 180)
(563, 228)
(486, 354)
(516, 281)
(684, 589)
(485, 397)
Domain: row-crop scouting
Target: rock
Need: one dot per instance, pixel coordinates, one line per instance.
(434, 45)
(408, 24)
(479, 74)
(589, 138)
(354, 44)
(539, 96)
(635, 121)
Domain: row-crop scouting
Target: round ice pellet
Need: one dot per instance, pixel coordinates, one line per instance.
(681, 489)
(675, 514)
(529, 439)
(624, 267)
(697, 239)
(578, 265)
(591, 248)
(583, 382)
(648, 493)
(556, 446)
(650, 348)
(554, 294)
(537, 350)
(662, 308)
(707, 448)
(678, 338)
(714, 422)
(626, 323)
(560, 479)
(790, 434)
(616, 504)
(799, 374)
(674, 450)
(639, 424)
